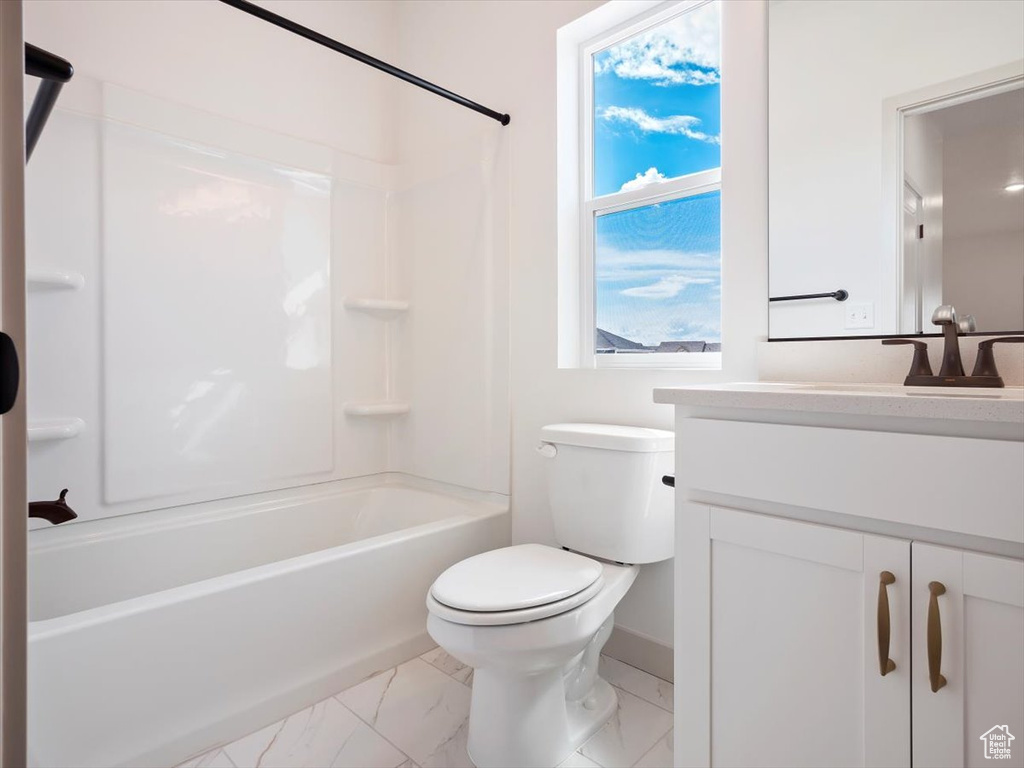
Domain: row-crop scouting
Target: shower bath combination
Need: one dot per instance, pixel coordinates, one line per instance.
(241, 459)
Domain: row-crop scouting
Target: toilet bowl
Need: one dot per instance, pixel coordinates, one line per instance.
(532, 619)
(536, 694)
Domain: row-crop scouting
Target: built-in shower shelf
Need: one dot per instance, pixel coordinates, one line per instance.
(383, 309)
(389, 408)
(41, 430)
(44, 279)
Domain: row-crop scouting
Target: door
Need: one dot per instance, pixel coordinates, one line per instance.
(913, 232)
(13, 509)
(968, 648)
(809, 652)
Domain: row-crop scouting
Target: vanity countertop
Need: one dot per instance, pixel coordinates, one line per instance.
(959, 403)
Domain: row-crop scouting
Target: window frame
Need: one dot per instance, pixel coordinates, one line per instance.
(592, 206)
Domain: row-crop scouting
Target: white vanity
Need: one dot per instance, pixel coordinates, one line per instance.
(849, 575)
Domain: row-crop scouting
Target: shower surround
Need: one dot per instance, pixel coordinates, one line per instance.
(284, 426)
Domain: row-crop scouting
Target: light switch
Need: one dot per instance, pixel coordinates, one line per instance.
(860, 315)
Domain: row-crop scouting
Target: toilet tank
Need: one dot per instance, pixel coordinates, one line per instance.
(605, 490)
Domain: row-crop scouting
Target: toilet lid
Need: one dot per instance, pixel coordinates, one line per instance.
(515, 578)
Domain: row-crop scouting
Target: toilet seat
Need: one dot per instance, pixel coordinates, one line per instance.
(522, 616)
(513, 585)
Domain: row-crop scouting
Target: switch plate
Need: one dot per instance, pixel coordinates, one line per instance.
(860, 315)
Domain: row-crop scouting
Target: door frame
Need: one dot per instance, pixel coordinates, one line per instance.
(907, 259)
(13, 433)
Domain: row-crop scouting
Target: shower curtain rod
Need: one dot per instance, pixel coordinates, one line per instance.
(310, 34)
(54, 72)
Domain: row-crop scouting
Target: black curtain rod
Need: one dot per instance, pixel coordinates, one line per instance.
(310, 34)
(54, 72)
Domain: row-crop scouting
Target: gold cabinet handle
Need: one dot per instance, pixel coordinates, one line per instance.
(885, 664)
(937, 681)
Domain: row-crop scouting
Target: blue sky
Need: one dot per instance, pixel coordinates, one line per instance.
(656, 117)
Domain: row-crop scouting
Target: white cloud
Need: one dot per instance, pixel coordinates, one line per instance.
(683, 51)
(666, 288)
(614, 265)
(682, 125)
(650, 176)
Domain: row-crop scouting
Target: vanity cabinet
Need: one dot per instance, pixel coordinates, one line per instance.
(830, 567)
(980, 615)
(824, 646)
(794, 645)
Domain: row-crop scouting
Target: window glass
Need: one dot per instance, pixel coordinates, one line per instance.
(656, 103)
(658, 283)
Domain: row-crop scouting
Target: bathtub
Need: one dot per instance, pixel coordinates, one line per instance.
(175, 631)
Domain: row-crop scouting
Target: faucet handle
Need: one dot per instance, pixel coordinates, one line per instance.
(944, 315)
(985, 364)
(920, 366)
(967, 324)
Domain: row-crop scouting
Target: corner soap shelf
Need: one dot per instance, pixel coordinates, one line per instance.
(40, 430)
(388, 408)
(382, 309)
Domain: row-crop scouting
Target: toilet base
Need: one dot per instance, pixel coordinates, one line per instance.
(541, 735)
(588, 716)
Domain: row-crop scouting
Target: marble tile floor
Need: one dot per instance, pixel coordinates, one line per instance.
(416, 714)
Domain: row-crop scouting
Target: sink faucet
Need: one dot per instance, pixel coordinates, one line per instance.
(951, 373)
(945, 317)
(53, 511)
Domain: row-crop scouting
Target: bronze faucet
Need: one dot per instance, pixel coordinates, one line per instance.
(951, 373)
(53, 511)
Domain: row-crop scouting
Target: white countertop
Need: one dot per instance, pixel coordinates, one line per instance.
(958, 403)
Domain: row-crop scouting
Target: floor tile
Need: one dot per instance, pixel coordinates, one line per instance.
(418, 708)
(325, 735)
(215, 758)
(631, 731)
(576, 760)
(659, 756)
(448, 664)
(637, 682)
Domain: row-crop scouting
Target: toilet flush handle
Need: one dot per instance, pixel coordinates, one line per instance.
(547, 450)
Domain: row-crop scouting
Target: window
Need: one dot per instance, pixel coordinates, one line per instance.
(649, 181)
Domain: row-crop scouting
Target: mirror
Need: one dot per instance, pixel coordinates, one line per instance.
(896, 166)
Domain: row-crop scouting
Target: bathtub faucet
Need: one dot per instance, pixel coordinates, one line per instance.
(53, 511)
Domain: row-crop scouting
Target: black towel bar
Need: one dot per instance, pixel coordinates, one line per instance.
(840, 295)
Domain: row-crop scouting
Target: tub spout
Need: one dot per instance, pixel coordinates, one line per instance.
(53, 511)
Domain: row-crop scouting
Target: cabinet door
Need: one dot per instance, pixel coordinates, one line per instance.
(968, 627)
(794, 618)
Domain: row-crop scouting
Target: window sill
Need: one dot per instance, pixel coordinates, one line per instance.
(677, 361)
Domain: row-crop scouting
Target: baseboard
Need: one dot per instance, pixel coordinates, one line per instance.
(641, 652)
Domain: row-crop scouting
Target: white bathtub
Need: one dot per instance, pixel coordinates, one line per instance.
(154, 640)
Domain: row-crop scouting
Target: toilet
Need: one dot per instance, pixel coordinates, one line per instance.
(531, 619)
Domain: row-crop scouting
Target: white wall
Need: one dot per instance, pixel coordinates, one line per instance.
(213, 57)
(983, 275)
(503, 54)
(832, 65)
